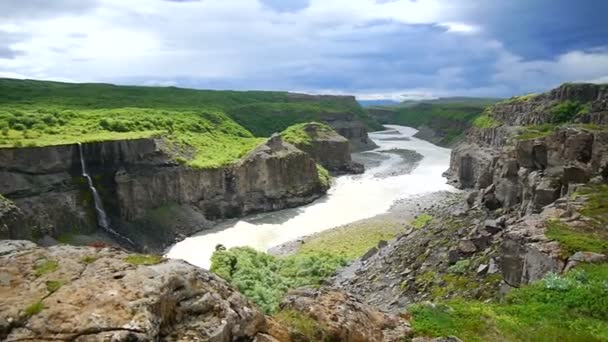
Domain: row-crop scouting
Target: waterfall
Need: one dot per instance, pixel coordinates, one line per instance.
(102, 217)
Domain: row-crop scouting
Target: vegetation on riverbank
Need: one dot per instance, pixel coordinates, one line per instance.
(265, 279)
(573, 307)
(449, 117)
(352, 241)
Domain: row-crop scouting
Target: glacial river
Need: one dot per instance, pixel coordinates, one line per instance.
(351, 198)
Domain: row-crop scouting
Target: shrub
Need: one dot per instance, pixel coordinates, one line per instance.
(565, 111)
(460, 267)
(485, 121)
(264, 278)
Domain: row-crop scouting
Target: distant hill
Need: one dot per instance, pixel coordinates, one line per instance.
(221, 125)
(372, 103)
(441, 120)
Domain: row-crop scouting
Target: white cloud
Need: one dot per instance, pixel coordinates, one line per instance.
(366, 47)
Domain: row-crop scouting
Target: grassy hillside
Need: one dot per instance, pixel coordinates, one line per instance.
(447, 116)
(221, 126)
(261, 112)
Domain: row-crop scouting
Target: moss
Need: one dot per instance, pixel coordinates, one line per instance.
(596, 207)
(298, 135)
(324, 176)
(34, 309)
(421, 221)
(485, 121)
(54, 285)
(301, 324)
(144, 259)
(573, 240)
(522, 98)
(426, 278)
(89, 259)
(537, 131)
(45, 267)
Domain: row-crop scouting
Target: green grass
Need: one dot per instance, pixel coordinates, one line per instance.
(297, 135)
(596, 207)
(45, 267)
(537, 131)
(576, 310)
(421, 221)
(522, 98)
(220, 126)
(144, 259)
(54, 285)
(34, 309)
(324, 176)
(89, 259)
(485, 121)
(578, 239)
(352, 242)
(265, 279)
(300, 324)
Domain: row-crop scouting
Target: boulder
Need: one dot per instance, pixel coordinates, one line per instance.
(343, 317)
(467, 246)
(104, 294)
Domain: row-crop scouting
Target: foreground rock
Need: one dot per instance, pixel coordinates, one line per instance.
(88, 294)
(149, 197)
(342, 317)
(325, 145)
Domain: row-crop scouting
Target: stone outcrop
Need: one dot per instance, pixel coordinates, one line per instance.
(530, 177)
(343, 317)
(103, 294)
(150, 198)
(347, 124)
(534, 172)
(328, 148)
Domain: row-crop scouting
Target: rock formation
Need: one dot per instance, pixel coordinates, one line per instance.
(327, 148)
(102, 294)
(149, 197)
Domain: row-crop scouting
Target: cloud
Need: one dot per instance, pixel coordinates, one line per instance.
(365, 47)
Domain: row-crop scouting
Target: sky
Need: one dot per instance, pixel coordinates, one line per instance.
(375, 49)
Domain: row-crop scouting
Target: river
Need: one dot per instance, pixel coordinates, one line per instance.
(351, 198)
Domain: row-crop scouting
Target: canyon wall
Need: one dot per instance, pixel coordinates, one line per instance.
(150, 198)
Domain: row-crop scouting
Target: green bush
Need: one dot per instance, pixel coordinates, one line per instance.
(485, 121)
(565, 111)
(264, 278)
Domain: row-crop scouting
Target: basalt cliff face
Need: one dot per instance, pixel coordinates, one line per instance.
(534, 204)
(150, 198)
(531, 170)
(328, 148)
(346, 123)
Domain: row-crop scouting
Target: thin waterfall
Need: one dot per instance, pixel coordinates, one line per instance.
(102, 217)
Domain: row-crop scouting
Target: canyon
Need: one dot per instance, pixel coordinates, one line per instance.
(527, 222)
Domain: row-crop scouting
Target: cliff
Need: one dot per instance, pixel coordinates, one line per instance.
(325, 145)
(532, 158)
(150, 198)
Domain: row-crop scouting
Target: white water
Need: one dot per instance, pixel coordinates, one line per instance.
(351, 198)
